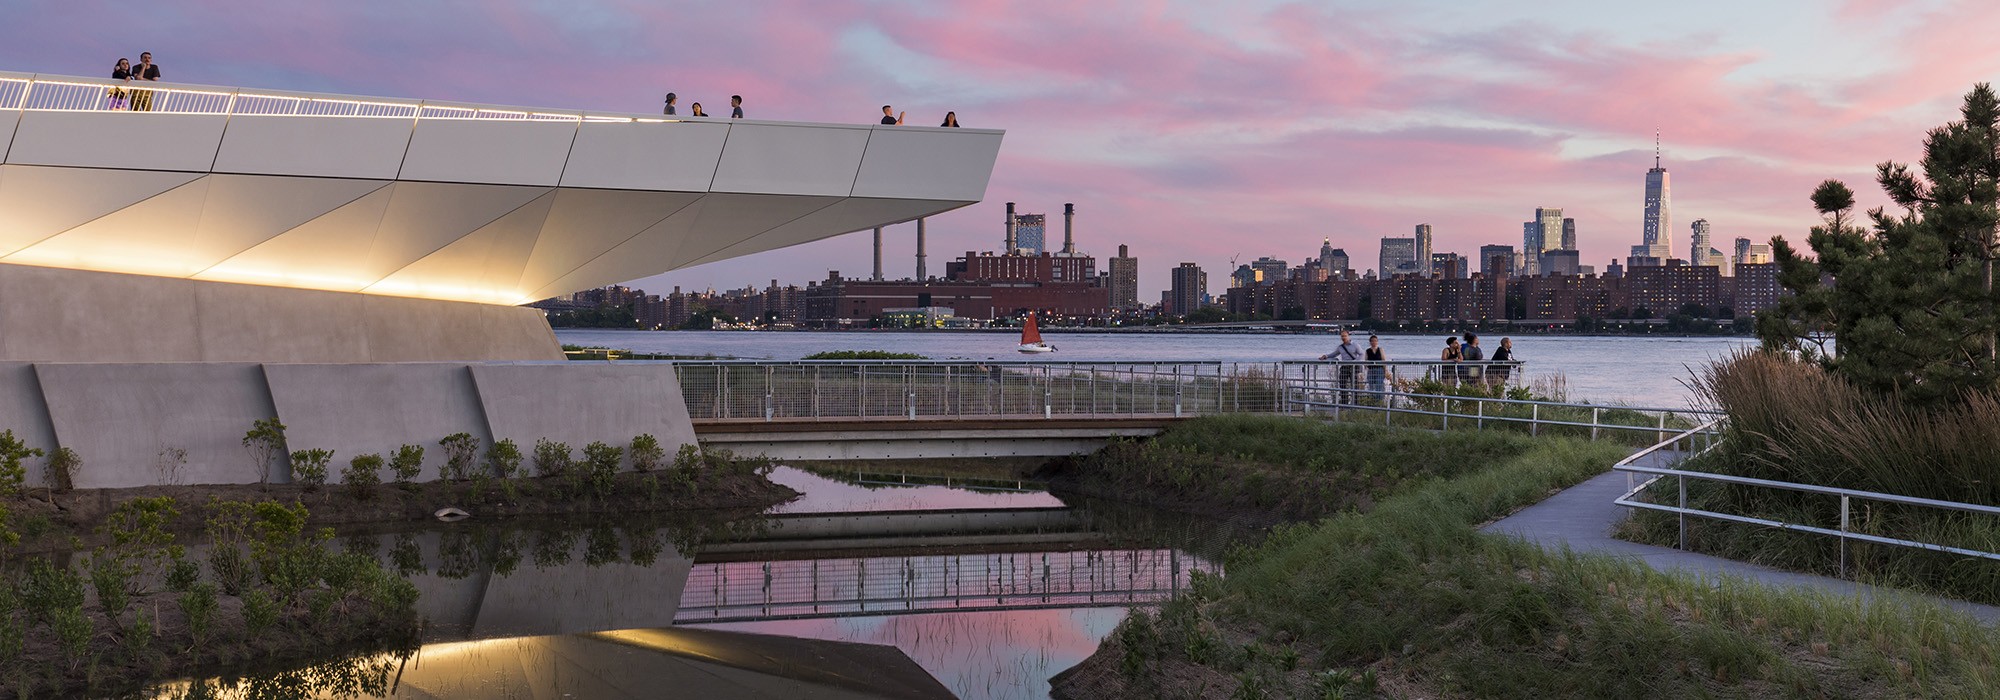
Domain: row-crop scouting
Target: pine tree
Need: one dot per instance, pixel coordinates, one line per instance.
(1911, 304)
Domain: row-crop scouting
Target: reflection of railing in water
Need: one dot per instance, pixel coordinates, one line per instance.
(776, 590)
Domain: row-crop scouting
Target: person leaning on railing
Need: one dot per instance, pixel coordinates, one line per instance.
(142, 100)
(1470, 352)
(121, 71)
(1497, 374)
(1345, 352)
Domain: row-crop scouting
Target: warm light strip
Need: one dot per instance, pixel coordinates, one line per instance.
(134, 86)
(411, 105)
(418, 110)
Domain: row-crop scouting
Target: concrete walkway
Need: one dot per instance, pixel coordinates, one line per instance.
(1581, 518)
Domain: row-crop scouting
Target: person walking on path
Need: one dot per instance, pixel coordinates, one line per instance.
(1377, 373)
(1345, 374)
(735, 106)
(147, 70)
(890, 117)
(670, 103)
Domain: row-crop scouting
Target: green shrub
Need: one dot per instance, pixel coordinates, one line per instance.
(310, 466)
(503, 458)
(73, 629)
(460, 450)
(551, 458)
(362, 475)
(264, 442)
(602, 462)
(182, 574)
(198, 604)
(407, 464)
(111, 576)
(13, 463)
(647, 454)
(260, 612)
(59, 473)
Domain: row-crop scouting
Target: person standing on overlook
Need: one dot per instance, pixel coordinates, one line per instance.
(735, 106)
(694, 110)
(1497, 374)
(121, 71)
(950, 120)
(1377, 373)
(1345, 374)
(142, 100)
(670, 103)
(890, 117)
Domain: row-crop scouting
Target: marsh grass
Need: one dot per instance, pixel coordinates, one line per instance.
(1412, 592)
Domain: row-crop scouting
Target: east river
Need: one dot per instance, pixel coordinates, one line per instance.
(1633, 370)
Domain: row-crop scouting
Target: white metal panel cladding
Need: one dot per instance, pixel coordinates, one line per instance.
(645, 156)
(127, 140)
(785, 159)
(277, 145)
(438, 201)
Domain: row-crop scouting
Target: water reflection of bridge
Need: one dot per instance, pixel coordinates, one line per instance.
(738, 591)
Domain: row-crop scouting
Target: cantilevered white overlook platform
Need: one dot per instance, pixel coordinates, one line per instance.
(438, 200)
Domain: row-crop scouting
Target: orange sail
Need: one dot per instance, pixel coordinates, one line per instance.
(1029, 334)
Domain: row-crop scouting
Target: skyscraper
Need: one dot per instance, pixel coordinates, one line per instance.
(1496, 261)
(1331, 259)
(1423, 249)
(1270, 269)
(1569, 234)
(1190, 284)
(1657, 240)
(1531, 247)
(1399, 256)
(1699, 253)
(1124, 281)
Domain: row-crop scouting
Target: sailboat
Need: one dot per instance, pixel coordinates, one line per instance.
(1031, 338)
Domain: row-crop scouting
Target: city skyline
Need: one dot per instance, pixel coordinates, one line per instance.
(1185, 129)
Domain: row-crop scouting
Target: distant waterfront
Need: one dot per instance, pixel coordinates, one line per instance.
(1634, 370)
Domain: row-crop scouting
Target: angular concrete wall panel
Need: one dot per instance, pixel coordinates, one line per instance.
(578, 403)
(130, 140)
(920, 163)
(486, 264)
(22, 411)
(423, 217)
(8, 120)
(110, 317)
(493, 152)
(645, 156)
(314, 146)
(101, 317)
(118, 417)
(779, 159)
(757, 213)
(39, 202)
(360, 409)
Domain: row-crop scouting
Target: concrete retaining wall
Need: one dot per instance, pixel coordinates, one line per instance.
(56, 315)
(119, 417)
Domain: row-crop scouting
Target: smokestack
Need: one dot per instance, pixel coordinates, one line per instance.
(878, 254)
(920, 251)
(1009, 248)
(1069, 235)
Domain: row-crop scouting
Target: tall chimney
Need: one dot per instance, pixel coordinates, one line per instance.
(920, 251)
(1009, 248)
(878, 254)
(1069, 235)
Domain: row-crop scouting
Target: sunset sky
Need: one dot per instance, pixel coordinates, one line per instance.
(1192, 131)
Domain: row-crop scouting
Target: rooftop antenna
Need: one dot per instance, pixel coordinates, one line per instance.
(1656, 147)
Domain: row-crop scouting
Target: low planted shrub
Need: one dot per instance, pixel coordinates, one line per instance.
(601, 462)
(647, 455)
(503, 459)
(461, 451)
(362, 475)
(14, 456)
(407, 464)
(265, 441)
(59, 472)
(552, 459)
(310, 467)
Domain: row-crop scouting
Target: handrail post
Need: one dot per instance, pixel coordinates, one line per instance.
(1661, 436)
(1177, 390)
(1594, 413)
(770, 408)
(910, 391)
(1534, 419)
(1048, 388)
(1843, 535)
(1481, 406)
(1682, 479)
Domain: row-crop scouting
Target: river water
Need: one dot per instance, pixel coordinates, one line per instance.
(1632, 370)
(871, 582)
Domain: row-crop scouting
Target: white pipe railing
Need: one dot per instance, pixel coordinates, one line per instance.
(1844, 531)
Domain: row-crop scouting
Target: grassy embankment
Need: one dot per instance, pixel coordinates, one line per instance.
(1790, 421)
(1404, 598)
